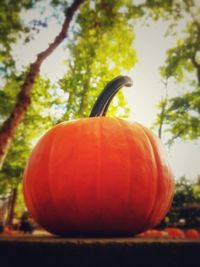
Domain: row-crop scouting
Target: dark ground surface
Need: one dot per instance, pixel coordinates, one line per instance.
(98, 252)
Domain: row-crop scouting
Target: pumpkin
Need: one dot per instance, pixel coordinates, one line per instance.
(153, 233)
(98, 175)
(174, 232)
(192, 233)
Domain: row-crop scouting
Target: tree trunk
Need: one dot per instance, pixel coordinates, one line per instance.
(9, 127)
(11, 208)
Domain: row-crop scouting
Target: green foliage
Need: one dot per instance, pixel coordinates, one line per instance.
(186, 192)
(11, 28)
(38, 119)
(168, 9)
(101, 48)
(180, 58)
(20, 203)
(185, 211)
(8, 94)
(196, 189)
(181, 116)
(45, 102)
(185, 208)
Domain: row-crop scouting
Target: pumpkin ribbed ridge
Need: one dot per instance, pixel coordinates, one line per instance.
(156, 216)
(152, 180)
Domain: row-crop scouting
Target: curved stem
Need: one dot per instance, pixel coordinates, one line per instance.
(103, 101)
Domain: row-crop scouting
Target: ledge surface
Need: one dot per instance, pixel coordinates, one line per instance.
(98, 252)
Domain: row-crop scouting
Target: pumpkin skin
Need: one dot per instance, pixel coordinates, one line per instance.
(98, 176)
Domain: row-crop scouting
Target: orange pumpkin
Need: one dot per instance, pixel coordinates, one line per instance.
(153, 233)
(174, 232)
(98, 175)
(192, 233)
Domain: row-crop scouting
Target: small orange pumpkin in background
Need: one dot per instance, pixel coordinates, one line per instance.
(192, 233)
(153, 233)
(98, 175)
(174, 232)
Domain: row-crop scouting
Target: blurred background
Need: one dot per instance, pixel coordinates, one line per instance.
(155, 42)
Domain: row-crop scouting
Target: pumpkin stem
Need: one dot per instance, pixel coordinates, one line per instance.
(103, 101)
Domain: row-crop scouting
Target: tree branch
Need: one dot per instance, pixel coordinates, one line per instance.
(196, 65)
(163, 111)
(24, 97)
(180, 132)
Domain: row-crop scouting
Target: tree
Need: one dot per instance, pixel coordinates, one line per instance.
(10, 30)
(104, 49)
(179, 116)
(39, 118)
(9, 126)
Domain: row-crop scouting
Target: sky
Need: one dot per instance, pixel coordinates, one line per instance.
(151, 45)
